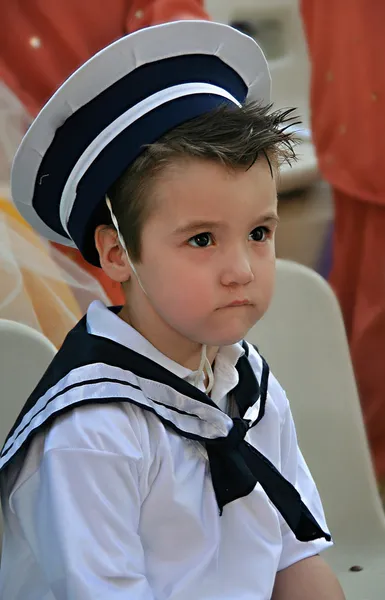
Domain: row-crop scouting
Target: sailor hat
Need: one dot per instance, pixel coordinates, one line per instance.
(125, 97)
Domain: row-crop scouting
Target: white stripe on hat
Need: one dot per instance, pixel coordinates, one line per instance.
(116, 127)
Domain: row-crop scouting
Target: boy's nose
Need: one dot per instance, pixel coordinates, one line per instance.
(237, 270)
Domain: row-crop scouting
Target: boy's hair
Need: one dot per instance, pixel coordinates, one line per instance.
(232, 136)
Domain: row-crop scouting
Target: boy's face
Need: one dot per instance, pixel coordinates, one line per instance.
(208, 257)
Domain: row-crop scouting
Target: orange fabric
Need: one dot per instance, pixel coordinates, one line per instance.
(143, 13)
(46, 295)
(347, 47)
(358, 278)
(43, 41)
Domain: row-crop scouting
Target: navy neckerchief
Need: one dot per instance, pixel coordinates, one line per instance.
(236, 466)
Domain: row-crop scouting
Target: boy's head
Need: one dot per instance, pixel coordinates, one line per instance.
(234, 137)
(172, 124)
(198, 213)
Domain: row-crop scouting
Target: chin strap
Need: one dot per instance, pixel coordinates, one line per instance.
(205, 366)
(123, 243)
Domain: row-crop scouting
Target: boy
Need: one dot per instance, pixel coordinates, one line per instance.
(157, 459)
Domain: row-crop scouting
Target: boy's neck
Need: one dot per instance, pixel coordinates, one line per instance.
(169, 342)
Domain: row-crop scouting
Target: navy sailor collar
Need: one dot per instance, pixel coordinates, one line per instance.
(93, 369)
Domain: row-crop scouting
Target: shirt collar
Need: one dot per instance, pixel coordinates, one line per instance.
(107, 324)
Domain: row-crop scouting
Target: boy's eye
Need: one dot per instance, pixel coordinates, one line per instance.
(259, 234)
(202, 240)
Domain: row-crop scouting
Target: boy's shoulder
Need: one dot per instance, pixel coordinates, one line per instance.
(111, 428)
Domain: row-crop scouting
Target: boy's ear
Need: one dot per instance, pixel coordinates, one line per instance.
(113, 258)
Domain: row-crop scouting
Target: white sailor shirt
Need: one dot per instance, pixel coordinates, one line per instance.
(106, 500)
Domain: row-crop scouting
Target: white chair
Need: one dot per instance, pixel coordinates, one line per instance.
(303, 339)
(24, 356)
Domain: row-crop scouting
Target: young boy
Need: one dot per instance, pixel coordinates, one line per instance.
(157, 459)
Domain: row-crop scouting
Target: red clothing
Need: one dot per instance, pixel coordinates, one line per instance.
(358, 277)
(347, 48)
(43, 41)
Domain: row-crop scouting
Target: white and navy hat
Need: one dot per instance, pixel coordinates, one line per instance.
(126, 96)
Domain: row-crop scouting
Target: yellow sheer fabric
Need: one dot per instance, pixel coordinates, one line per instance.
(39, 286)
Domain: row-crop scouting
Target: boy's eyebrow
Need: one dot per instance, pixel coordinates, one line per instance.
(194, 225)
(201, 225)
(271, 216)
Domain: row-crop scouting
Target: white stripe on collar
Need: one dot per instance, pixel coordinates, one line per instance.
(101, 381)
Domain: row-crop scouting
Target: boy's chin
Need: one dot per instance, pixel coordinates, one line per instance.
(227, 338)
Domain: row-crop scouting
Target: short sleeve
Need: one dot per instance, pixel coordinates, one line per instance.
(295, 470)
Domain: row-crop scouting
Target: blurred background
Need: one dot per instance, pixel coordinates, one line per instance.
(326, 59)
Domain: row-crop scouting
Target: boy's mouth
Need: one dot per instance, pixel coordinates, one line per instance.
(238, 303)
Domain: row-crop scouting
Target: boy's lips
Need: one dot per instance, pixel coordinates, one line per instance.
(238, 303)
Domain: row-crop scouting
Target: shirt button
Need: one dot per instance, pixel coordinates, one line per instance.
(139, 14)
(35, 42)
